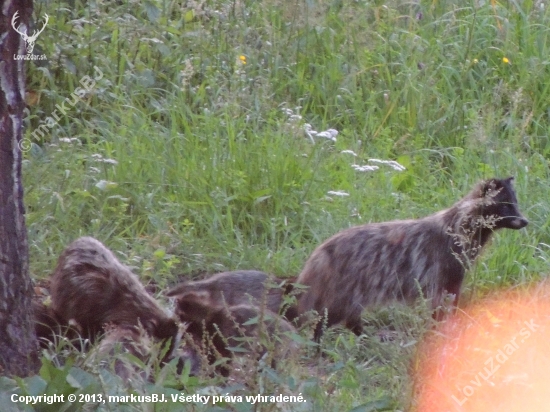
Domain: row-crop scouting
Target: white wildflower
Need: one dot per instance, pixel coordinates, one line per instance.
(351, 152)
(365, 168)
(105, 184)
(391, 163)
(288, 112)
(152, 40)
(94, 170)
(98, 158)
(295, 118)
(108, 161)
(70, 140)
(329, 134)
(310, 132)
(337, 193)
(124, 199)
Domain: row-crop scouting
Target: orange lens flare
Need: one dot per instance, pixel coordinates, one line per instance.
(492, 356)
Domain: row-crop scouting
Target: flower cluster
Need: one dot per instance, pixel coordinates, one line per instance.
(338, 193)
(70, 140)
(370, 168)
(391, 163)
(100, 159)
(365, 168)
(296, 119)
(297, 124)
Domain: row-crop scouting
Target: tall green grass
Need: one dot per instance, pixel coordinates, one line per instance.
(212, 174)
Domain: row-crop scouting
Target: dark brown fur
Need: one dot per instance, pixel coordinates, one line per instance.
(241, 287)
(91, 288)
(222, 326)
(374, 264)
(46, 323)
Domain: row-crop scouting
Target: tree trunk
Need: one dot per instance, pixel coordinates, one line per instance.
(18, 346)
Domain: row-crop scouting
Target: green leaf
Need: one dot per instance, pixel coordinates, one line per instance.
(35, 385)
(237, 349)
(152, 11)
(189, 16)
(251, 321)
(383, 404)
(159, 253)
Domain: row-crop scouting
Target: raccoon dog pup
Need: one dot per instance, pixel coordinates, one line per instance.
(240, 287)
(376, 263)
(91, 288)
(224, 326)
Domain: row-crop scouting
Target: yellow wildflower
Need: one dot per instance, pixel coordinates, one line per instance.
(505, 60)
(242, 58)
(475, 61)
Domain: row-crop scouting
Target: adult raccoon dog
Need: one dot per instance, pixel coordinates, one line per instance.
(376, 263)
(91, 288)
(240, 287)
(217, 327)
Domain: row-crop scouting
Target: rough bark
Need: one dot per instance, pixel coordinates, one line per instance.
(18, 346)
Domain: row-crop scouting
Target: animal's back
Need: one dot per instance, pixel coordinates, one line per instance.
(372, 264)
(91, 287)
(234, 288)
(235, 285)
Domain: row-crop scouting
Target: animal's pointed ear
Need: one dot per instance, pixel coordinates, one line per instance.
(509, 179)
(487, 186)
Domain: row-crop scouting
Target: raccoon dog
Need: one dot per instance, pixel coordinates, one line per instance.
(376, 263)
(91, 288)
(218, 327)
(240, 287)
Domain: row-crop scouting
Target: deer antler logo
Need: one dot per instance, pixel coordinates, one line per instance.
(29, 40)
